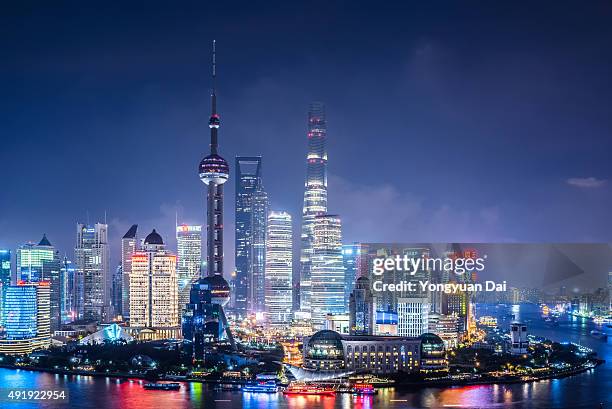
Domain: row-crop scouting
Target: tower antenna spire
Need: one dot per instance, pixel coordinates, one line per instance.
(214, 121)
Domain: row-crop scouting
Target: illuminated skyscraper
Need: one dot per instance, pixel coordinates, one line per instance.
(315, 196)
(129, 246)
(259, 220)
(412, 316)
(361, 308)
(40, 262)
(26, 318)
(279, 271)
(327, 272)
(5, 277)
(351, 254)
(248, 181)
(189, 249)
(154, 287)
(68, 306)
(117, 291)
(92, 274)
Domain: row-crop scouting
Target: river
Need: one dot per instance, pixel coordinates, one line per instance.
(586, 390)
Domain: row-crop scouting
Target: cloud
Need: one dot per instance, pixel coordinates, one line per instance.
(587, 183)
(383, 213)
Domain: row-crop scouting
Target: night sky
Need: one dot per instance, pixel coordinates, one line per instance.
(449, 121)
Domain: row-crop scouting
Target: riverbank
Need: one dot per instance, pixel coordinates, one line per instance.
(427, 383)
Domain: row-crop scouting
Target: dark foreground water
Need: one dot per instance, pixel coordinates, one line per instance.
(586, 390)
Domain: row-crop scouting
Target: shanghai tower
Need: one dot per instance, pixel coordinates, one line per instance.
(315, 196)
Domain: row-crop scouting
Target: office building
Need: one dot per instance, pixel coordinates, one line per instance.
(361, 308)
(93, 277)
(351, 259)
(27, 318)
(248, 181)
(315, 196)
(129, 246)
(279, 269)
(518, 339)
(68, 305)
(257, 285)
(154, 287)
(117, 292)
(189, 259)
(5, 277)
(327, 269)
(412, 316)
(41, 262)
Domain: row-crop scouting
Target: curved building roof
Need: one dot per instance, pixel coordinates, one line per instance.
(154, 238)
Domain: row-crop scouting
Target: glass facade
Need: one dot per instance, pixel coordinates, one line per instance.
(279, 271)
(93, 278)
(327, 274)
(189, 259)
(5, 278)
(315, 197)
(248, 227)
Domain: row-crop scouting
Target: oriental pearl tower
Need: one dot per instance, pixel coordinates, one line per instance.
(214, 172)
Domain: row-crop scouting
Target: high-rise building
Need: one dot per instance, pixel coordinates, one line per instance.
(361, 308)
(189, 252)
(5, 277)
(327, 273)
(279, 271)
(92, 274)
(257, 265)
(412, 316)
(129, 246)
(315, 196)
(204, 320)
(117, 292)
(610, 290)
(518, 339)
(154, 286)
(27, 321)
(351, 254)
(68, 307)
(41, 262)
(457, 303)
(248, 181)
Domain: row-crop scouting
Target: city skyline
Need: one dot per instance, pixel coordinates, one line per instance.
(412, 108)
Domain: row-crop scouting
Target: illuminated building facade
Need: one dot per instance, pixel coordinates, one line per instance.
(189, 253)
(518, 339)
(259, 220)
(327, 273)
(279, 271)
(93, 277)
(5, 277)
(154, 286)
(41, 262)
(27, 318)
(446, 327)
(67, 270)
(457, 304)
(350, 257)
(248, 182)
(204, 321)
(329, 351)
(361, 308)
(315, 196)
(433, 354)
(412, 316)
(129, 246)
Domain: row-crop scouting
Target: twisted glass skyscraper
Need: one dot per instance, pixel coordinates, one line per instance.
(315, 197)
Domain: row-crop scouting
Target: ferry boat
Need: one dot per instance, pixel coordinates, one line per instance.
(363, 389)
(301, 388)
(261, 387)
(166, 386)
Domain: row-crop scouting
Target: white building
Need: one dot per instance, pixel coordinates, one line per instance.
(327, 275)
(129, 245)
(412, 316)
(189, 253)
(154, 286)
(278, 271)
(518, 339)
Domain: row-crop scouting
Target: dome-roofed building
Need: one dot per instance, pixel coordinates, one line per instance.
(154, 238)
(324, 351)
(433, 353)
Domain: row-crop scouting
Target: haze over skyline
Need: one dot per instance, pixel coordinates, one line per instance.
(445, 122)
